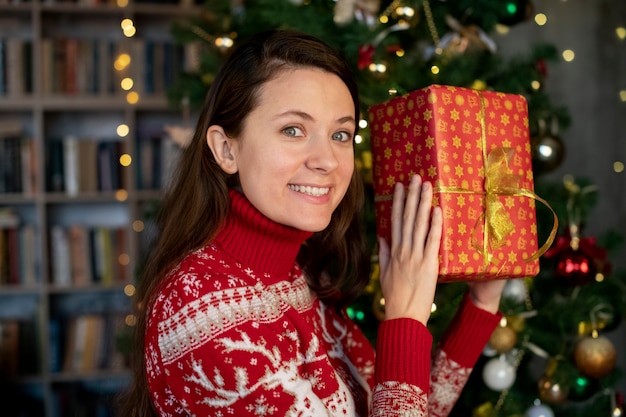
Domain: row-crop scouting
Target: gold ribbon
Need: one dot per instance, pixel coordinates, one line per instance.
(497, 224)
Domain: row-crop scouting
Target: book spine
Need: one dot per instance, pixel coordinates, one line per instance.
(70, 164)
(61, 268)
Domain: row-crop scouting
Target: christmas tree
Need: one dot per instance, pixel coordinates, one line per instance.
(549, 356)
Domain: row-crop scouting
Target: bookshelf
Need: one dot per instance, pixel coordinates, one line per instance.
(83, 156)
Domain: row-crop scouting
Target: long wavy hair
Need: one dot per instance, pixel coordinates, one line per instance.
(336, 260)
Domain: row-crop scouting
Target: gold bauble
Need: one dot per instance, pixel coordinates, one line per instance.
(595, 356)
(517, 323)
(503, 339)
(550, 391)
(378, 305)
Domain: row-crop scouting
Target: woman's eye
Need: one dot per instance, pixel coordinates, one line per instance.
(293, 131)
(342, 136)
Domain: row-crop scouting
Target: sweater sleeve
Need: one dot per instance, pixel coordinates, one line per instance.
(406, 383)
(457, 353)
(402, 369)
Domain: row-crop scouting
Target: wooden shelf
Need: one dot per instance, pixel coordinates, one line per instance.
(43, 309)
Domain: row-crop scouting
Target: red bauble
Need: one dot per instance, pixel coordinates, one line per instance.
(577, 267)
(579, 260)
(542, 68)
(366, 56)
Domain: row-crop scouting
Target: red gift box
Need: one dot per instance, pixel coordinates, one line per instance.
(474, 147)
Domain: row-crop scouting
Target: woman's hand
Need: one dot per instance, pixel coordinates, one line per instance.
(409, 269)
(486, 294)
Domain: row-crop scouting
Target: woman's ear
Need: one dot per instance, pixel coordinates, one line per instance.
(222, 147)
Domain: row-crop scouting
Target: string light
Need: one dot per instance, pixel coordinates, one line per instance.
(122, 61)
(127, 83)
(125, 160)
(541, 19)
(568, 55)
(129, 290)
(121, 195)
(138, 226)
(122, 130)
(132, 97)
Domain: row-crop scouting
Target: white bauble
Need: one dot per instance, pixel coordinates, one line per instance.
(498, 374)
(539, 410)
(515, 289)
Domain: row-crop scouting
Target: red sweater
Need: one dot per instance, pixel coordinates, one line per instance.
(235, 331)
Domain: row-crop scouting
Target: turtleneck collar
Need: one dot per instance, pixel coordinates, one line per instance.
(258, 242)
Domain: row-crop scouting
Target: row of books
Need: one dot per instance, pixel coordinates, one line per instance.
(16, 66)
(17, 160)
(19, 256)
(76, 165)
(18, 348)
(88, 342)
(83, 255)
(157, 155)
(72, 65)
(91, 66)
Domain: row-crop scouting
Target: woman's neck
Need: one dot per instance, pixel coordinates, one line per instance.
(258, 242)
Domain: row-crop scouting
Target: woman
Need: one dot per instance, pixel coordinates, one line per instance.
(261, 248)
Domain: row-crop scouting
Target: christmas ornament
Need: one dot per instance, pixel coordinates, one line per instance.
(542, 67)
(551, 391)
(548, 152)
(579, 259)
(378, 305)
(595, 356)
(484, 410)
(517, 323)
(498, 374)
(366, 56)
(547, 147)
(515, 289)
(346, 11)
(462, 39)
(539, 410)
(503, 339)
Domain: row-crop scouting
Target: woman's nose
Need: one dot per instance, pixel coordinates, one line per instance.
(322, 156)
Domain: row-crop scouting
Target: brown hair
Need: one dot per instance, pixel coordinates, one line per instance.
(336, 259)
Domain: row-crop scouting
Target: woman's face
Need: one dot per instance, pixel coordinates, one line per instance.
(295, 157)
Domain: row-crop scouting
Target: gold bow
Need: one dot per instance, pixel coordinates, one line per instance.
(499, 181)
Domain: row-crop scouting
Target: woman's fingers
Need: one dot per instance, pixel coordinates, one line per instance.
(409, 217)
(423, 215)
(409, 268)
(397, 208)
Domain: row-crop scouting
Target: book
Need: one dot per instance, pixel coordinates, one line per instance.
(80, 255)
(87, 165)
(60, 257)
(9, 348)
(29, 261)
(70, 164)
(84, 343)
(55, 174)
